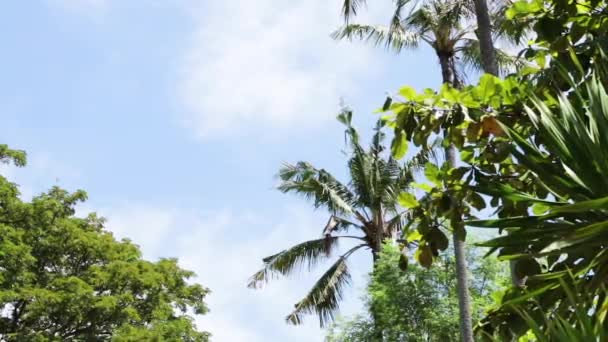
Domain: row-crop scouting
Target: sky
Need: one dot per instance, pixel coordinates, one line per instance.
(175, 117)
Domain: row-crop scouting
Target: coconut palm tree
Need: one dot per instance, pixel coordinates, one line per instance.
(446, 27)
(364, 210)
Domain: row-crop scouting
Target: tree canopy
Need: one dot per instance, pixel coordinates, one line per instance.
(419, 304)
(65, 278)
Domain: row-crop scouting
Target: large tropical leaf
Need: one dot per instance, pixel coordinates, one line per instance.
(571, 238)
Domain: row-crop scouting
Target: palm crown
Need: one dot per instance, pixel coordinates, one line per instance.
(447, 26)
(366, 205)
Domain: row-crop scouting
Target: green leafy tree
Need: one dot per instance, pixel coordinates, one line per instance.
(367, 205)
(550, 110)
(64, 278)
(419, 304)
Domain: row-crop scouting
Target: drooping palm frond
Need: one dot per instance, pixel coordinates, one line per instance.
(317, 185)
(324, 297)
(350, 8)
(513, 30)
(470, 56)
(306, 254)
(338, 224)
(390, 37)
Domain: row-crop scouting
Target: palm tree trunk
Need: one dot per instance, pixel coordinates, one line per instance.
(447, 71)
(489, 62)
(462, 282)
(376, 249)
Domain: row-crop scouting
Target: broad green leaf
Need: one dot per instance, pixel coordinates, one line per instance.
(467, 156)
(423, 186)
(432, 173)
(407, 200)
(487, 87)
(408, 93)
(414, 235)
(399, 145)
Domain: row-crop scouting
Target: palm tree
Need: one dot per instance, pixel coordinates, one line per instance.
(489, 61)
(364, 210)
(445, 26)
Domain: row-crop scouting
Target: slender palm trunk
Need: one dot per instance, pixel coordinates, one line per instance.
(489, 64)
(378, 239)
(484, 35)
(462, 282)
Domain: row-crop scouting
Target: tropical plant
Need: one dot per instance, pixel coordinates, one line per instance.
(418, 304)
(367, 205)
(567, 233)
(569, 41)
(64, 278)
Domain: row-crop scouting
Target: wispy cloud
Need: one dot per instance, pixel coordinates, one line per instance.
(268, 64)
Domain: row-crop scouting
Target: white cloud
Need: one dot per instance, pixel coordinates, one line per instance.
(224, 248)
(269, 64)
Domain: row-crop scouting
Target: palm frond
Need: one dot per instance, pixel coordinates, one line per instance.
(317, 185)
(324, 297)
(514, 30)
(470, 55)
(391, 37)
(338, 224)
(350, 8)
(306, 254)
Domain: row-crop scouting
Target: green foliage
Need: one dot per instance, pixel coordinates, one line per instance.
(418, 304)
(535, 142)
(8, 155)
(569, 240)
(583, 325)
(64, 278)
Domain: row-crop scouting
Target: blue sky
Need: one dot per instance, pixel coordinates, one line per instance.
(175, 116)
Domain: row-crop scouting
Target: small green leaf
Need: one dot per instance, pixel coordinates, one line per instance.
(467, 156)
(432, 173)
(423, 186)
(487, 87)
(540, 208)
(408, 93)
(387, 103)
(399, 144)
(414, 236)
(407, 200)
